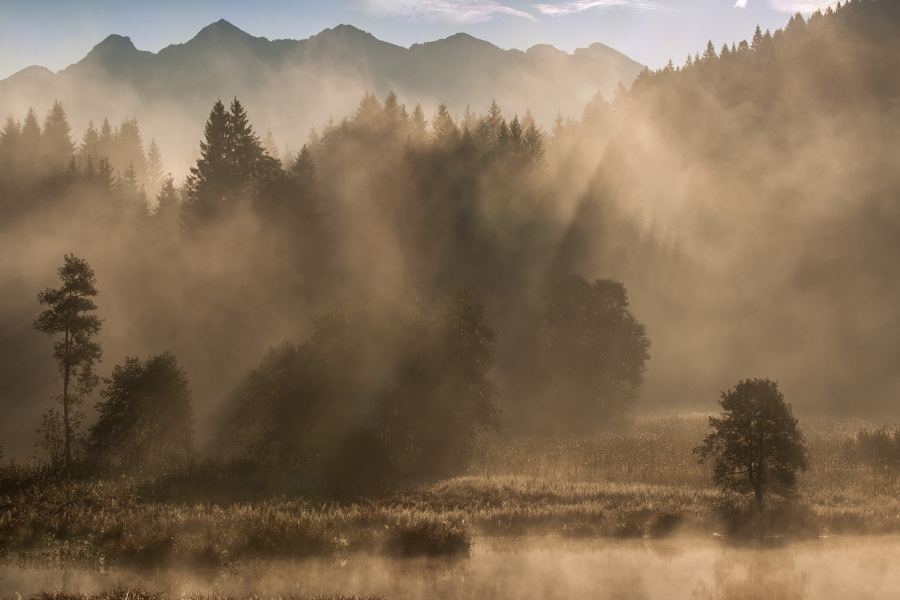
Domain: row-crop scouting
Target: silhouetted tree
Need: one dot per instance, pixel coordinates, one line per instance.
(127, 152)
(446, 133)
(166, 216)
(145, 419)
(233, 166)
(155, 175)
(56, 138)
(756, 444)
(210, 185)
(395, 388)
(68, 315)
(418, 127)
(593, 350)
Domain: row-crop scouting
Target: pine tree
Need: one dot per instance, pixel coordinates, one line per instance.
(232, 166)
(270, 147)
(105, 179)
(56, 138)
(31, 139)
(166, 214)
(469, 121)
(445, 131)
(10, 144)
(515, 139)
(106, 140)
(709, 55)
(418, 127)
(245, 147)
(209, 184)
(533, 146)
(393, 115)
(129, 150)
(757, 39)
(154, 168)
(68, 314)
(489, 129)
(90, 145)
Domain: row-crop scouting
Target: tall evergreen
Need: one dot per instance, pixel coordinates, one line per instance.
(57, 138)
(209, 184)
(154, 168)
(89, 150)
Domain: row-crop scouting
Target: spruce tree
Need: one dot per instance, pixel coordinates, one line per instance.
(56, 138)
(209, 184)
(154, 168)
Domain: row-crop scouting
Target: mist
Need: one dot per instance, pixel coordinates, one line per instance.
(464, 328)
(752, 234)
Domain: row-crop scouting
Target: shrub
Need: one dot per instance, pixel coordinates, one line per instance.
(428, 537)
(878, 448)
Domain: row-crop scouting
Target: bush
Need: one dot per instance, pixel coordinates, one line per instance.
(428, 537)
(878, 448)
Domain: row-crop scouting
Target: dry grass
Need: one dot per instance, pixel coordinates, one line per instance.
(639, 482)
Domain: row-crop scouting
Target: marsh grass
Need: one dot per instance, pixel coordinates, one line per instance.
(137, 593)
(639, 482)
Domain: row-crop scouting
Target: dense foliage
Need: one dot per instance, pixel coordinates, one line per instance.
(146, 420)
(756, 444)
(397, 387)
(593, 350)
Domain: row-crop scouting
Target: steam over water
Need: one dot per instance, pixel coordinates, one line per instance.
(829, 568)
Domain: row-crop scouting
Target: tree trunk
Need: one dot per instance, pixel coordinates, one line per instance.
(67, 452)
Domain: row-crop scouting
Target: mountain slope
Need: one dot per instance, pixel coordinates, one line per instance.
(291, 85)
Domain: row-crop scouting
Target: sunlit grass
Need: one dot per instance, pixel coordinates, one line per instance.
(641, 481)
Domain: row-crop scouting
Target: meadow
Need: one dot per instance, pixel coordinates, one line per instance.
(638, 482)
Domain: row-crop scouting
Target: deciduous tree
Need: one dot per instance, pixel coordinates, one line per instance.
(146, 419)
(756, 445)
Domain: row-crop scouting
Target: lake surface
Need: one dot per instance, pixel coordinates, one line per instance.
(839, 568)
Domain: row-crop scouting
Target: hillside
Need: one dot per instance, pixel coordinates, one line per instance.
(292, 85)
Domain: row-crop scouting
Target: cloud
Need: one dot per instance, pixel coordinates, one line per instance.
(567, 8)
(453, 11)
(803, 6)
(740, 4)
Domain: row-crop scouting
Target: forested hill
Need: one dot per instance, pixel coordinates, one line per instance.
(774, 159)
(293, 84)
(744, 207)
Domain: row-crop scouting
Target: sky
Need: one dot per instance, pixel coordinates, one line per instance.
(57, 33)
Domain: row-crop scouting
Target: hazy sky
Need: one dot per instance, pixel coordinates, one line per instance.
(57, 33)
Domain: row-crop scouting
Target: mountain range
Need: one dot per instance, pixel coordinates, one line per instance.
(292, 85)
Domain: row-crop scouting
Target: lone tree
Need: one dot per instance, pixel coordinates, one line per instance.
(67, 316)
(146, 420)
(756, 444)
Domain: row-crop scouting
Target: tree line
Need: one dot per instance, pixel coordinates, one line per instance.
(539, 226)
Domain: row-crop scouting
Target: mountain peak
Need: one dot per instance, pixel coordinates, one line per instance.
(221, 31)
(115, 52)
(344, 31)
(113, 43)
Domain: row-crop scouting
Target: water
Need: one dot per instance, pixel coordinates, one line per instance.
(546, 569)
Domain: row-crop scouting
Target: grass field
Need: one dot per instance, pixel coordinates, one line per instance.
(642, 481)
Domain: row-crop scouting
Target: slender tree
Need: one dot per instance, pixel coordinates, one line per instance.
(68, 316)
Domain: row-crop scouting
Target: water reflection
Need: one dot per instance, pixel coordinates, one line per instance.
(545, 569)
(757, 576)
